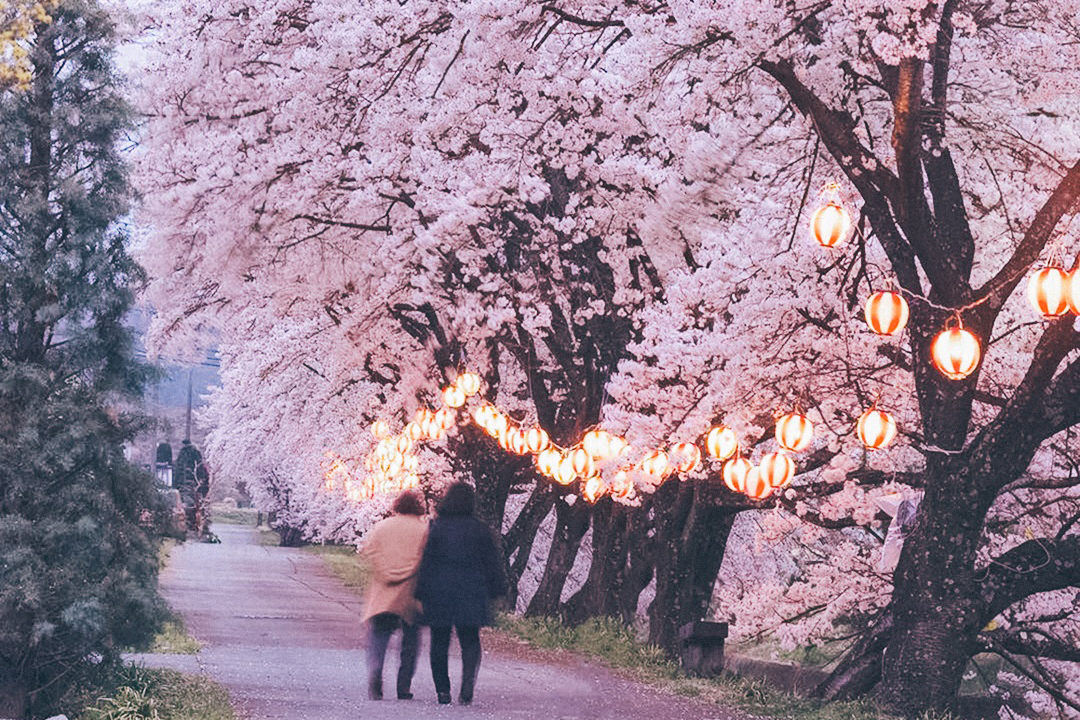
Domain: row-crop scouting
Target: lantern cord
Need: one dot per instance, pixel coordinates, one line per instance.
(962, 308)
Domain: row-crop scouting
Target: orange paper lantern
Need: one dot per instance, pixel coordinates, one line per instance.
(794, 432)
(1048, 291)
(735, 471)
(656, 465)
(757, 486)
(469, 383)
(536, 439)
(597, 443)
(548, 460)
(776, 468)
(515, 441)
(830, 224)
(886, 313)
(721, 442)
(594, 488)
(685, 456)
(581, 461)
(379, 429)
(955, 353)
(876, 428)
(1074, 291)
(453, 396)
(564, 472)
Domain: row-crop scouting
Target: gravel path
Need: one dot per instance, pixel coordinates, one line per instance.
(284, 636)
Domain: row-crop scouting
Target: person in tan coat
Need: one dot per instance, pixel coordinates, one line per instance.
(393, 548)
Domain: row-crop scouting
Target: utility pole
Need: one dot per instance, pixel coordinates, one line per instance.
(187, 432)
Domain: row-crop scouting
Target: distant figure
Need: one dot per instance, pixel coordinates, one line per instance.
(393, 547)
(192, 479)
(459, 574)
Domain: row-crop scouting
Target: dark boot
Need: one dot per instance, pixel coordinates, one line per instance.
(374, 688)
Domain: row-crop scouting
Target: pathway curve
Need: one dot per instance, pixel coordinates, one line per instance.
(284, 636)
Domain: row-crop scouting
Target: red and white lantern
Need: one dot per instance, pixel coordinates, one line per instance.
(380, 429)
(515, 441)
(594, 487)
(794, 432)
(685, 456)
(1074, 291)
(830, 224)
(656, 465)
(536, 439)
(876, 428)
(1048, 291)
(777, 469)
(886, 313)
(453, 396)
(581, 461)
(596, 443)
(469, 382)
(564, 472)
(548, 460)
(757, 486)
(955, 353)
(735, 471)
(721, 442)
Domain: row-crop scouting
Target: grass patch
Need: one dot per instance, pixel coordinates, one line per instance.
(226, 515)
(608, 641)
(345, 563)
(174, 639)
(137, 693)
(267, 537)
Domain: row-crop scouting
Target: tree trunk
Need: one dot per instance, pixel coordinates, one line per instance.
(859, 671)
(603, 589)
(935, 599)
(691, 535)
(14, 696)
(571, 522)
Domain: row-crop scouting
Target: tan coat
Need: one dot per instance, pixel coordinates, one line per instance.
(393, 548)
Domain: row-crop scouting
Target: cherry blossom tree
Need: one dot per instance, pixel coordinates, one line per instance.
(601, 207)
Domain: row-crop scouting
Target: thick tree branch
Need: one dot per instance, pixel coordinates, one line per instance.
(1036, 566)
(1064, 197)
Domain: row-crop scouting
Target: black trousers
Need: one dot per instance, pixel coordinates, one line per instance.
(382, 626)
(469, 639)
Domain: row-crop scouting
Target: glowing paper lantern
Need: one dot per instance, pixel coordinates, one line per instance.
(876, 428)
(685, 456)
(735, 472)
(757, 487)
(581, 461)
(411, 464)
(597, 443)
(886, 313)
(453, 396)
(536, 439)
(594, 488)
(548, 460)
(414, 430)
(469, 383)
(379, 429)
(622, 487)
(1048, 291)
(830, 224)
(1074, 291)
(776, 468)
(955, 353)
(656, 465)
(615, 445)
(721, 442)
(794, 432)
(444, 418)
(564, 472)
(403, 443)
(498, 425)
(515, 441)
(483, 415)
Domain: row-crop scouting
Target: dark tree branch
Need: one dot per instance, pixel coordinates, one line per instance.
(1036, 566)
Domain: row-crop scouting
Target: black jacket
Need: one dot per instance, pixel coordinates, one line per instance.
(459, 572)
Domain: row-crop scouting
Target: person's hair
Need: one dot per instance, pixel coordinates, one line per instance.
(458, 500)
(408, 503)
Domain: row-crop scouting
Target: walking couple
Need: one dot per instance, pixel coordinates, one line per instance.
(449, 570)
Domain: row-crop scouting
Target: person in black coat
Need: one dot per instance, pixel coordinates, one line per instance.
(460, 572)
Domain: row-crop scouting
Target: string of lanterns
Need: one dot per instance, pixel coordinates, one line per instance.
(955, 351)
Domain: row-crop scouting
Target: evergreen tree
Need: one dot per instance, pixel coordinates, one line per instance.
(78, 564)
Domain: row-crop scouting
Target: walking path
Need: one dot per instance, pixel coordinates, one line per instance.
(284, 636)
